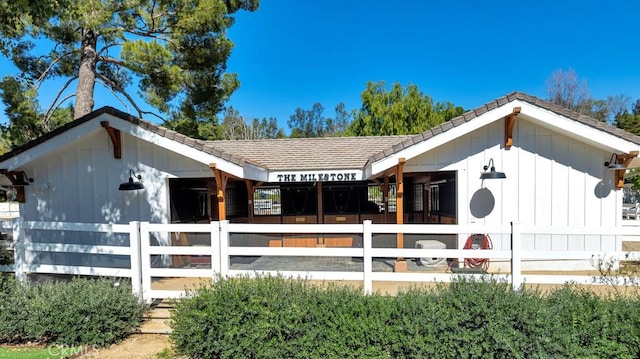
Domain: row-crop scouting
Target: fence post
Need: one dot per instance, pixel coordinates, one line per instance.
(224, 248)
(19, 249)
(516, 256)
(145, 261)
(215, 249)
(136, 265)
(367, 244)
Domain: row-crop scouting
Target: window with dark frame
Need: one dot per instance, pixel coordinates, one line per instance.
(236, 200)
(267, 201)
(434, 206)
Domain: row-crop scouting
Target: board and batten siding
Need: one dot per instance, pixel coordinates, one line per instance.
(79, 183)
(552, 180)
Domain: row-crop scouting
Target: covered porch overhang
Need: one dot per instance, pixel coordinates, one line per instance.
(322, 182)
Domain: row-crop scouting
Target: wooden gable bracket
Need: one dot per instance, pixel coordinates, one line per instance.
(509, 122)
(624, 159)
(221, 186)
(18, 180)
(116, 138)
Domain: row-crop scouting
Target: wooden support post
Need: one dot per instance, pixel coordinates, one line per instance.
(221, 186)
(619, 178)
(321, 241)
(401, 264)
(509, 122)
(251, 189)
(116, 138)
(21, 197)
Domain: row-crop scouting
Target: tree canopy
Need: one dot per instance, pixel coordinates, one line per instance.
(25, 121)
(630, 120)
(566, 89)
(175, 51)
(398, 111)
(313, 123)
(234, 127)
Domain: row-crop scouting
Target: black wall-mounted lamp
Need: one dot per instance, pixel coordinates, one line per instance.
(613, 164)
(132, 185)
(492, 174)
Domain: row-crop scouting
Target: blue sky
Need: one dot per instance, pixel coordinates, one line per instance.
(291, 54)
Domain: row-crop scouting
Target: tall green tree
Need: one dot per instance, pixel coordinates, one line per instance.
(25, 120)
(313, 123)
(398, 111)
(266, 128)
(234, 127)
(630, 120)
(175, 51)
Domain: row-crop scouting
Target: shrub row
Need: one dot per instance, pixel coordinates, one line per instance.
(82, 311)
(275, 317)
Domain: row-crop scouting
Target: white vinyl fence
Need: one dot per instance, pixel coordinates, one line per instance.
(149, 260)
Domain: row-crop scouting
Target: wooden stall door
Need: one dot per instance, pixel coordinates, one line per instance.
(301, 239)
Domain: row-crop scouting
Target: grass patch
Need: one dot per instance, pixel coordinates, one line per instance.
(26, 352)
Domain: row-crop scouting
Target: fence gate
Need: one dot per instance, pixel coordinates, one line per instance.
(171, 263)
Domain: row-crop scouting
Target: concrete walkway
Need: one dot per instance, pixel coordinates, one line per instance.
(337, 264)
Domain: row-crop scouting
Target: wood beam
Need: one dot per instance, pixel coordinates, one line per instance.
(251, 189)
(400, 202)
(509, 122)
(221, 186)
(624, 159)
(321, 241)
(320, 207)
(116, 138)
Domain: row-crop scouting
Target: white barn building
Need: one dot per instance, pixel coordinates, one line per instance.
(553, 160)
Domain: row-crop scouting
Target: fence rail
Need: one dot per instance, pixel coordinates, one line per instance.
(218, 251)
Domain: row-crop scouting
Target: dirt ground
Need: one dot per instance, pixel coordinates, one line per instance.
(137, 346)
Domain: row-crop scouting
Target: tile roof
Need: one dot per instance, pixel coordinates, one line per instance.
(309, 153)
(322, 153)
(501, 101)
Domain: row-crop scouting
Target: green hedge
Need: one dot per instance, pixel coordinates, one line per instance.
(95, 312)
(276, 317)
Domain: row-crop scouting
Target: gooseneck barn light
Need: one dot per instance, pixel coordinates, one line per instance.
(613, 164)
(492, 174)
(131, 184)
